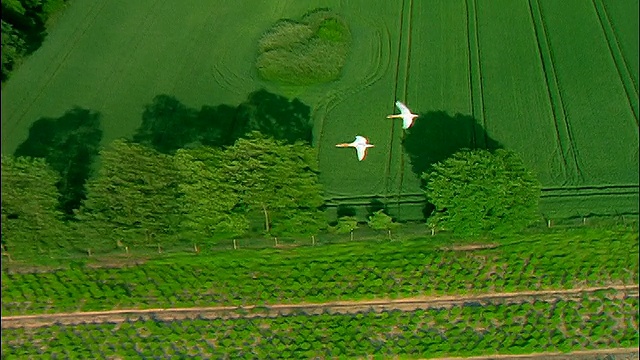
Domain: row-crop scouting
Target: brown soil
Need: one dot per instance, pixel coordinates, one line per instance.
(339, 307)
(470, 247)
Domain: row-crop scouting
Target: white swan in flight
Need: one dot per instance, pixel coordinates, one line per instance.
(405, 114)
(361, 144)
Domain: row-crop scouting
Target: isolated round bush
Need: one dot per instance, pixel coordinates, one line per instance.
(478, 192)
(312, 50)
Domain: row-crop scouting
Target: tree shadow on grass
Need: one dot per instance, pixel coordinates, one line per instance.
(374, 206)
(345, 211)
(436, 136)
(168, 125)
(70, 145)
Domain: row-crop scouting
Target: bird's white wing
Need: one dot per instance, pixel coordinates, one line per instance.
(407, 121)
(360, 140)
(362, 152)
(403, 108)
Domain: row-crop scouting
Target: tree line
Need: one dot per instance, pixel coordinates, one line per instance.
(23, 29)
(140, 196)
(223, 172)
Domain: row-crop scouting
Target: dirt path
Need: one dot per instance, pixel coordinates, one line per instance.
(619, 353)
(339, 307)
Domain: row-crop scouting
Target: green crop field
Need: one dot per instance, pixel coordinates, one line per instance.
(597, 321)
(356, 271)
(555, 81)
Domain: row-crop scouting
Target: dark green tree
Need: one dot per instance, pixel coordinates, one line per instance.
(478, 192)
(13, 47)
(278, 180)
(23, 29)
(381, 221)
(31, 222)
(134, 197)
(208, 200)
(344, 225)
(70, 144)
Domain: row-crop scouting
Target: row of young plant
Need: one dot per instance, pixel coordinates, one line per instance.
(338, 272)
(602, 320)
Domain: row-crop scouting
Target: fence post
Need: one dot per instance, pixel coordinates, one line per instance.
(548, 223)
(313, 240)
(351, 234)
(235, 245)
(276, 240)
(126, 249)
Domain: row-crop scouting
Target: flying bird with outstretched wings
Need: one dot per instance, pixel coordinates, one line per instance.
(405, 114)
(361, 144)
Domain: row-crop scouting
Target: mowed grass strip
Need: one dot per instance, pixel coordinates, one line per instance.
(560, 259)
(601, 121)
(605, 320)
(516, 99)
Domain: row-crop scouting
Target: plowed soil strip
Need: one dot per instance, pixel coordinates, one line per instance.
(624, 353)
(338, 307)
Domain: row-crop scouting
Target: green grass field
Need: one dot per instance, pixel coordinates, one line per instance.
(503, 73)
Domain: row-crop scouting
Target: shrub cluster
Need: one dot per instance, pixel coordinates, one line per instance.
(312, 50)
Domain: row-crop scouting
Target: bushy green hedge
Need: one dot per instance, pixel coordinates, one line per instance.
(478, 192)
(312, 50)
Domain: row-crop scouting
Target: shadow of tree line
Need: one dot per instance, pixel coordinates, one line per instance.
(71, 143)
(434, 137)
(168, 125)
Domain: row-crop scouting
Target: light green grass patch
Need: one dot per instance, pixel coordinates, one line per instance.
(313, 50)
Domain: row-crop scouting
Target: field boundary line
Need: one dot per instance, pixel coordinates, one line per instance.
(387, 172)
(546, 355)
(54, 73)
(558, 110)
(400, 92)
(618, 58)
(406, 304)
(475, 75)
(406, 96)
(414, 198)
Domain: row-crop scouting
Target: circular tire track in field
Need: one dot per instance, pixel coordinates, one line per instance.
(223, 75)
(337, 307)
(376, 66)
